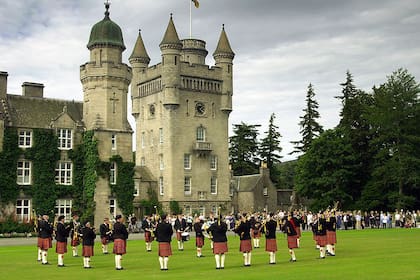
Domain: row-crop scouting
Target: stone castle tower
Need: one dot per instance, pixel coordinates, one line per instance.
(105, 79)
(181, 107)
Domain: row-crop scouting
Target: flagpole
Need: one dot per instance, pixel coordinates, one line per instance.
(190, 18)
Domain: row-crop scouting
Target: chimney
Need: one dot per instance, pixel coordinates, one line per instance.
(33, 89)
(3, 84)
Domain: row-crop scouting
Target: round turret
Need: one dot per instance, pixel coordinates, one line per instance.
(106, 33)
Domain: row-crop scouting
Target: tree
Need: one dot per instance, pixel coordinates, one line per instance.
(286, 171)
(310, 128)
(323, 173)
(243, 149)
(395, 118)
(270, 148)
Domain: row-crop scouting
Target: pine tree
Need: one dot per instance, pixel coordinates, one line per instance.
(270, 148)
(243, 149)
(310, 128)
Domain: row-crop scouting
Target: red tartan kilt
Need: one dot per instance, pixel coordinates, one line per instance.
(178, 236)
(148, 236)
(87, 251)
(321, 240)
(61, 247)
(46, 243)
(331, 237)
(39, 242)
(292, 242)
(119, 247)
(256, 234)
(220, 247)
(165, 249)
(75, 242)
(199, 242)
(245, 246)
(270, 245)
(104, 240)
(298, 232)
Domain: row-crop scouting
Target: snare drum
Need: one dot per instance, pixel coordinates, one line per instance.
(185, 236)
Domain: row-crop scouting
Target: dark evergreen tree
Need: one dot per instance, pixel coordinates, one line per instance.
(310, 128)
(270, 148)
(243, 149)
(394, 119)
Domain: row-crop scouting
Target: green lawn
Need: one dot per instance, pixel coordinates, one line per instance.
(367, 254)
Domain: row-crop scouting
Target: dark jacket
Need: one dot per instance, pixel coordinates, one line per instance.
(164, 232)
(198, 228)
(218, 232)
(62, 232)
(45, 229)
(270, 229)
(120, 231)
(244, 230)
(104, 230)
(88, 236)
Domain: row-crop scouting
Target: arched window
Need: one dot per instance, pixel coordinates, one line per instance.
(201, 134)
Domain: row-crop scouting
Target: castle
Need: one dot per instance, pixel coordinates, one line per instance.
(181, 108)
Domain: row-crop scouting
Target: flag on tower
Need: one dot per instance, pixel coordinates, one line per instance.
(196, 4)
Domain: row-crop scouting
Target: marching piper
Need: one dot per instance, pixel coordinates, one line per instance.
(218, 231)
(199, 236)
(243, 229)
(88, 244)
(269, 230)
(331, 233)
(61, 235)
(164, 233)
(321, 234)
(120, 235)
(45, 234)
(106, 232)
(149, 227)
(180, 226)
(75, 234)
(292, 237)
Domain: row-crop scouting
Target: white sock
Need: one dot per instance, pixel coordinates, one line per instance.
(74, 251)
(60, 259)
(44, 257)
(179, 245)
(245, 258)
(222, 260)
(292, 254)
(165, 262)
(118, 261)
(258, 243)
(249, 258)
(298, 242)
(333, 249)
(161, 262)
(274, 257)
(39, 254)
(322, 252)
(211, 244)
(84, 262)
(217, 257)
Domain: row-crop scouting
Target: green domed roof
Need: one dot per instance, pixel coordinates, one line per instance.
(106, 33)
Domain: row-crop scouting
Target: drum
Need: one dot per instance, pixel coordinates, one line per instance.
(185, 236)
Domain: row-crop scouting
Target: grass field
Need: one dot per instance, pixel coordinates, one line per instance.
(367, 254)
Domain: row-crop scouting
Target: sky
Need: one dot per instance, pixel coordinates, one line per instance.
(281, 46)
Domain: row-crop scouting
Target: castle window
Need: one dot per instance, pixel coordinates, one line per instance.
(113, 173)
(214, 209)
(213, 162)
(175, 60)
(23, 172)
(142, 161)
(213, 185)
(201, 134)
(201, 195)
(187, 185)
(65, 139)
(160, 135)
(161, 163)
(161, 185)
(187, 161)
(113, 207)
(113, 141)
(63, 207)
(202, 210)
(265, 191)
(136, 188)
(23, 210)
(25, 138)
(63, 173)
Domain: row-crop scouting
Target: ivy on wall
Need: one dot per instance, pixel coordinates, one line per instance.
(124, 187)
(8, 159)
(44, 155)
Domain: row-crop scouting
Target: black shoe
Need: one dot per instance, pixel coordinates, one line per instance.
(217, 267)
(272, 263)
(61, 265)
(222, 267)
(119, 268)
(321, 258)
(87, 267)
(47, 263)
(106, 253)
(292, 260)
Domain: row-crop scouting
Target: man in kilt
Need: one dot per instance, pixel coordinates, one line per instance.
(292, 237)
(331, 233)
(61, 235)
(120, 235)
(75, 234)
(199, 236)
(255, 231)
(217, 231)
(180, 226)
(105, 231)
(88, 244)
(45, 234)
(164, 233)
(36, 223)
(321, 234)
(269, 229)
(148, 226)
(243, 229)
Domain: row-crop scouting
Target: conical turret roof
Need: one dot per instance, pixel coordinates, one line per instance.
(223, 46)
(171, 39)
(139, 52)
